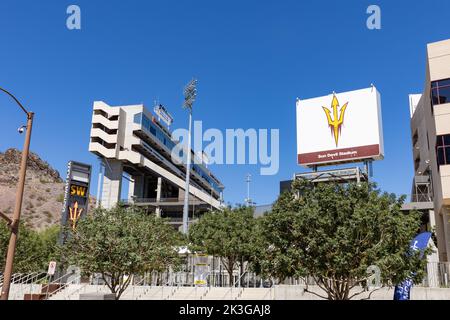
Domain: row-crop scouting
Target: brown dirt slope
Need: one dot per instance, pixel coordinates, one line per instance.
(44, 190)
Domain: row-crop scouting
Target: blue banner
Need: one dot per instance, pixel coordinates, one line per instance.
(419, 243)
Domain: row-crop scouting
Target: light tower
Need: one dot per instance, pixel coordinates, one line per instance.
(190, 93)
(248, 200)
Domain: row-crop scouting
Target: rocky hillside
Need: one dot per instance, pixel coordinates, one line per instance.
(44, 190)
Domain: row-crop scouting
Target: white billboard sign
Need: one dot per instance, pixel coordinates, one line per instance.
(339, 128)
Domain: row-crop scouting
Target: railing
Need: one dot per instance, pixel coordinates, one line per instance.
(70, 294)
(26, 283)
(422, 197)
(231, 288)
(272, 288)
(162, 200)
(61, 285)
(166, 285)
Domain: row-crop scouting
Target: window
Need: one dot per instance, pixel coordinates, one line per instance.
(443, 150)
(440, 92)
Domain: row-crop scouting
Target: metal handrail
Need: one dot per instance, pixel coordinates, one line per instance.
(72, 293)
(234, 284)
(64, 285)
(195, 287)
(161, 289)
(269, 291)
(24, 281)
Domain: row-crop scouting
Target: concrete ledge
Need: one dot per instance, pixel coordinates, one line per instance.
(97, 296)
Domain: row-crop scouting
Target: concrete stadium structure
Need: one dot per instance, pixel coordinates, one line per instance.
(130, 140)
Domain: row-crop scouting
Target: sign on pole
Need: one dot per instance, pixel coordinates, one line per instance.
(76, 194)
(51, 268)
(201, 270)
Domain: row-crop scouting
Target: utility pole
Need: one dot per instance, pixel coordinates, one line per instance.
(190, 93)
(13, 223)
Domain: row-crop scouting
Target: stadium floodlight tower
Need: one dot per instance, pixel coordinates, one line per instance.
(190, 93)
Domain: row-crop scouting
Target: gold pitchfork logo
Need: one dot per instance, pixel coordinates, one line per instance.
(75, 214)
(336, 123)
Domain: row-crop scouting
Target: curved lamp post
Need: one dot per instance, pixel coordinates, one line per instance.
(13, 223)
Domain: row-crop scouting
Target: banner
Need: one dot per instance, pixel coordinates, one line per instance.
(419, 243)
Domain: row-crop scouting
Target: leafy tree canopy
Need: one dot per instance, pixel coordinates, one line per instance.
(122, 242)
(334, 232)
(228, 234)
(34, 249)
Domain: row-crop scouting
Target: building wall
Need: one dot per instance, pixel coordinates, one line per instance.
(428, 122)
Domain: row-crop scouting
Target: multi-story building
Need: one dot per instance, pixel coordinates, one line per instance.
(133, 144)
(430, 132)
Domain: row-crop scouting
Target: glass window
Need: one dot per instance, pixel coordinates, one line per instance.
(138, 118)
(434, 97)
(440, 92)
(434, 84)
(442, 83)
(444, 95)
(440, 156)
(447, 140)
(443, 149)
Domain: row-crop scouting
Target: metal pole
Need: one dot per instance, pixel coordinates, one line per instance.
(99, 184)
(188, 173)
(17, 211)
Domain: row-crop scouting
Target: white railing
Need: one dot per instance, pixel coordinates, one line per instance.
(26, 284)
(231, 289)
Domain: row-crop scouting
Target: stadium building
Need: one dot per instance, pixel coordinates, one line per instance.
(134, 145)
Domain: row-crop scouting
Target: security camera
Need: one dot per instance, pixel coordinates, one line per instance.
(21, 129)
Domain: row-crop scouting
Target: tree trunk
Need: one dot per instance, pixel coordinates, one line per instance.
(242, 273)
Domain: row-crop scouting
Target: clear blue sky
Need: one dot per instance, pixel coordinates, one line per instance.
(252, 59)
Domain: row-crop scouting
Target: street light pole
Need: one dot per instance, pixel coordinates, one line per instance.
(15, 221)
(190, 93)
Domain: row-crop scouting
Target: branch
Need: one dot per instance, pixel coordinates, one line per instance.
(124, 286)
(110, 286)
(325, 287)
(370, 294)
(7, 219)
(316, 294)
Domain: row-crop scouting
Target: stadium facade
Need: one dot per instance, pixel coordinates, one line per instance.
(133, 144)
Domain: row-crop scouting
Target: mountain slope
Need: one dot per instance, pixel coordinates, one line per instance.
(44, 190)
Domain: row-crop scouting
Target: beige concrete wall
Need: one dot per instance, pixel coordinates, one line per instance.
(429, 122)
(439, 58)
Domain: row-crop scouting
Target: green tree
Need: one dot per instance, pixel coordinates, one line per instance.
(333, 233)
(227, 234)
(50, 248)
(120, 243)
(32, 252)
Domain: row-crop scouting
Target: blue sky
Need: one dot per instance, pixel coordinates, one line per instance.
(252, 59)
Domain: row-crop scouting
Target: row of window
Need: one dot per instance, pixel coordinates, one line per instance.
(146, 123)
(440, 92)
(443, 149)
